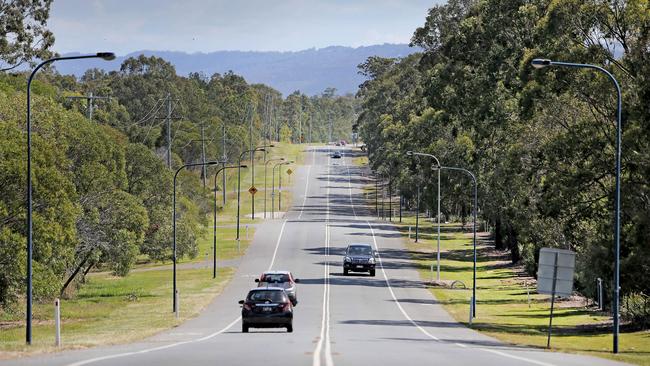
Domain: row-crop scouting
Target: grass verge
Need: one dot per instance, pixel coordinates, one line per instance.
(112, 310)
(504, 309)
(508, 307)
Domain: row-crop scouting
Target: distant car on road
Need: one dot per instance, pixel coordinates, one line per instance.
(266, 307)
(359, 258)
(336, 155)
(282, 279)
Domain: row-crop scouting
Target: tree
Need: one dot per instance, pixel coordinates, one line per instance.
(23, 32)
(541, 143)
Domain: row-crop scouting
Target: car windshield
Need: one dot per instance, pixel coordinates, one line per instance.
(267, 295)
(359, 250)
(275, 278)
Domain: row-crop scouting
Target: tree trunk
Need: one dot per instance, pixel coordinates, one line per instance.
(91, 265)
(511, 236)
(499, 244)
(74, 274)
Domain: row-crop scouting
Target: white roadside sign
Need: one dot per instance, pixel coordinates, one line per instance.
(558, 263)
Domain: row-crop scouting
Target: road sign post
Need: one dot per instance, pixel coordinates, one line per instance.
(555, 277)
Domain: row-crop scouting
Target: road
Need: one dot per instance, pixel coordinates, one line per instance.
(389, 319)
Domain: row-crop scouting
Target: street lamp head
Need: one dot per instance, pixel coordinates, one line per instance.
(409, 153)
(271, 145)
(540, 63)
(260, 149)
(243, 166)
(108, 56)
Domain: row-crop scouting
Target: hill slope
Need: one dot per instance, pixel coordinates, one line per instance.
(310, 71)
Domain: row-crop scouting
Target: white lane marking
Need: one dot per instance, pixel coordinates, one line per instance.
(304, 200)
(277, 244)
(110, 357)
(390, 289)
(328, 343)
(325, 322)
(516, 357)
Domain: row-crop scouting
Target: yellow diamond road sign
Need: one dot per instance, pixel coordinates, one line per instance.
(252, 190)
(289, 171)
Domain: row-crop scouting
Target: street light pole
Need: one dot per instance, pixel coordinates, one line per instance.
(266, 164)
(263, 148)
(376, 195)
(417, 212)
(541, 63)
(280, 185)
(214, 219)
(224, 159)
(473, 306)
(390, 199)
(273, 186)
(108, 56)
(175, 305)
(411, 153)
(241, 156)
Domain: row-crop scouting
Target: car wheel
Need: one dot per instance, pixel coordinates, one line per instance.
(244, 328)
(290, 328)
(345, 272)
(372, 273)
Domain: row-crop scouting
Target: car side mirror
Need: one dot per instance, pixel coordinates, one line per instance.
(241, 302)
(375, 253)
(297, 280)
(257, 280)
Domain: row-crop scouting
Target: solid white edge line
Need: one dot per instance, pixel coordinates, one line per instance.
(524, 359)
(277, 244)
(390, 289)
(304, 200)
(109, 357)
(119, 355)
(516, 357)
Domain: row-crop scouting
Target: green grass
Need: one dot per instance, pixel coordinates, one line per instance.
(503, 310)
(113, 310)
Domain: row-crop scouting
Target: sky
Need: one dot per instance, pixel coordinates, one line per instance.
(124, 26)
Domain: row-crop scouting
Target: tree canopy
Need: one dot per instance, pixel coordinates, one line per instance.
(541, 142)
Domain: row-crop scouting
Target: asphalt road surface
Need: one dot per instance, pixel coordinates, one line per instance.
(389, 319)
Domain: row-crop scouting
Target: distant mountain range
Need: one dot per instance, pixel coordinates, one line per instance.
(310, 71)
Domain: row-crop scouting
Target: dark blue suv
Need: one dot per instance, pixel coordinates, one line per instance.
(359, 258)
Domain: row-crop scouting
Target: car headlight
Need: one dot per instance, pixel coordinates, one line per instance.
(371, 260)
(348, 259)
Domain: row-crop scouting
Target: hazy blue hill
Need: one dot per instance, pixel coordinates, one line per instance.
(310, 71)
